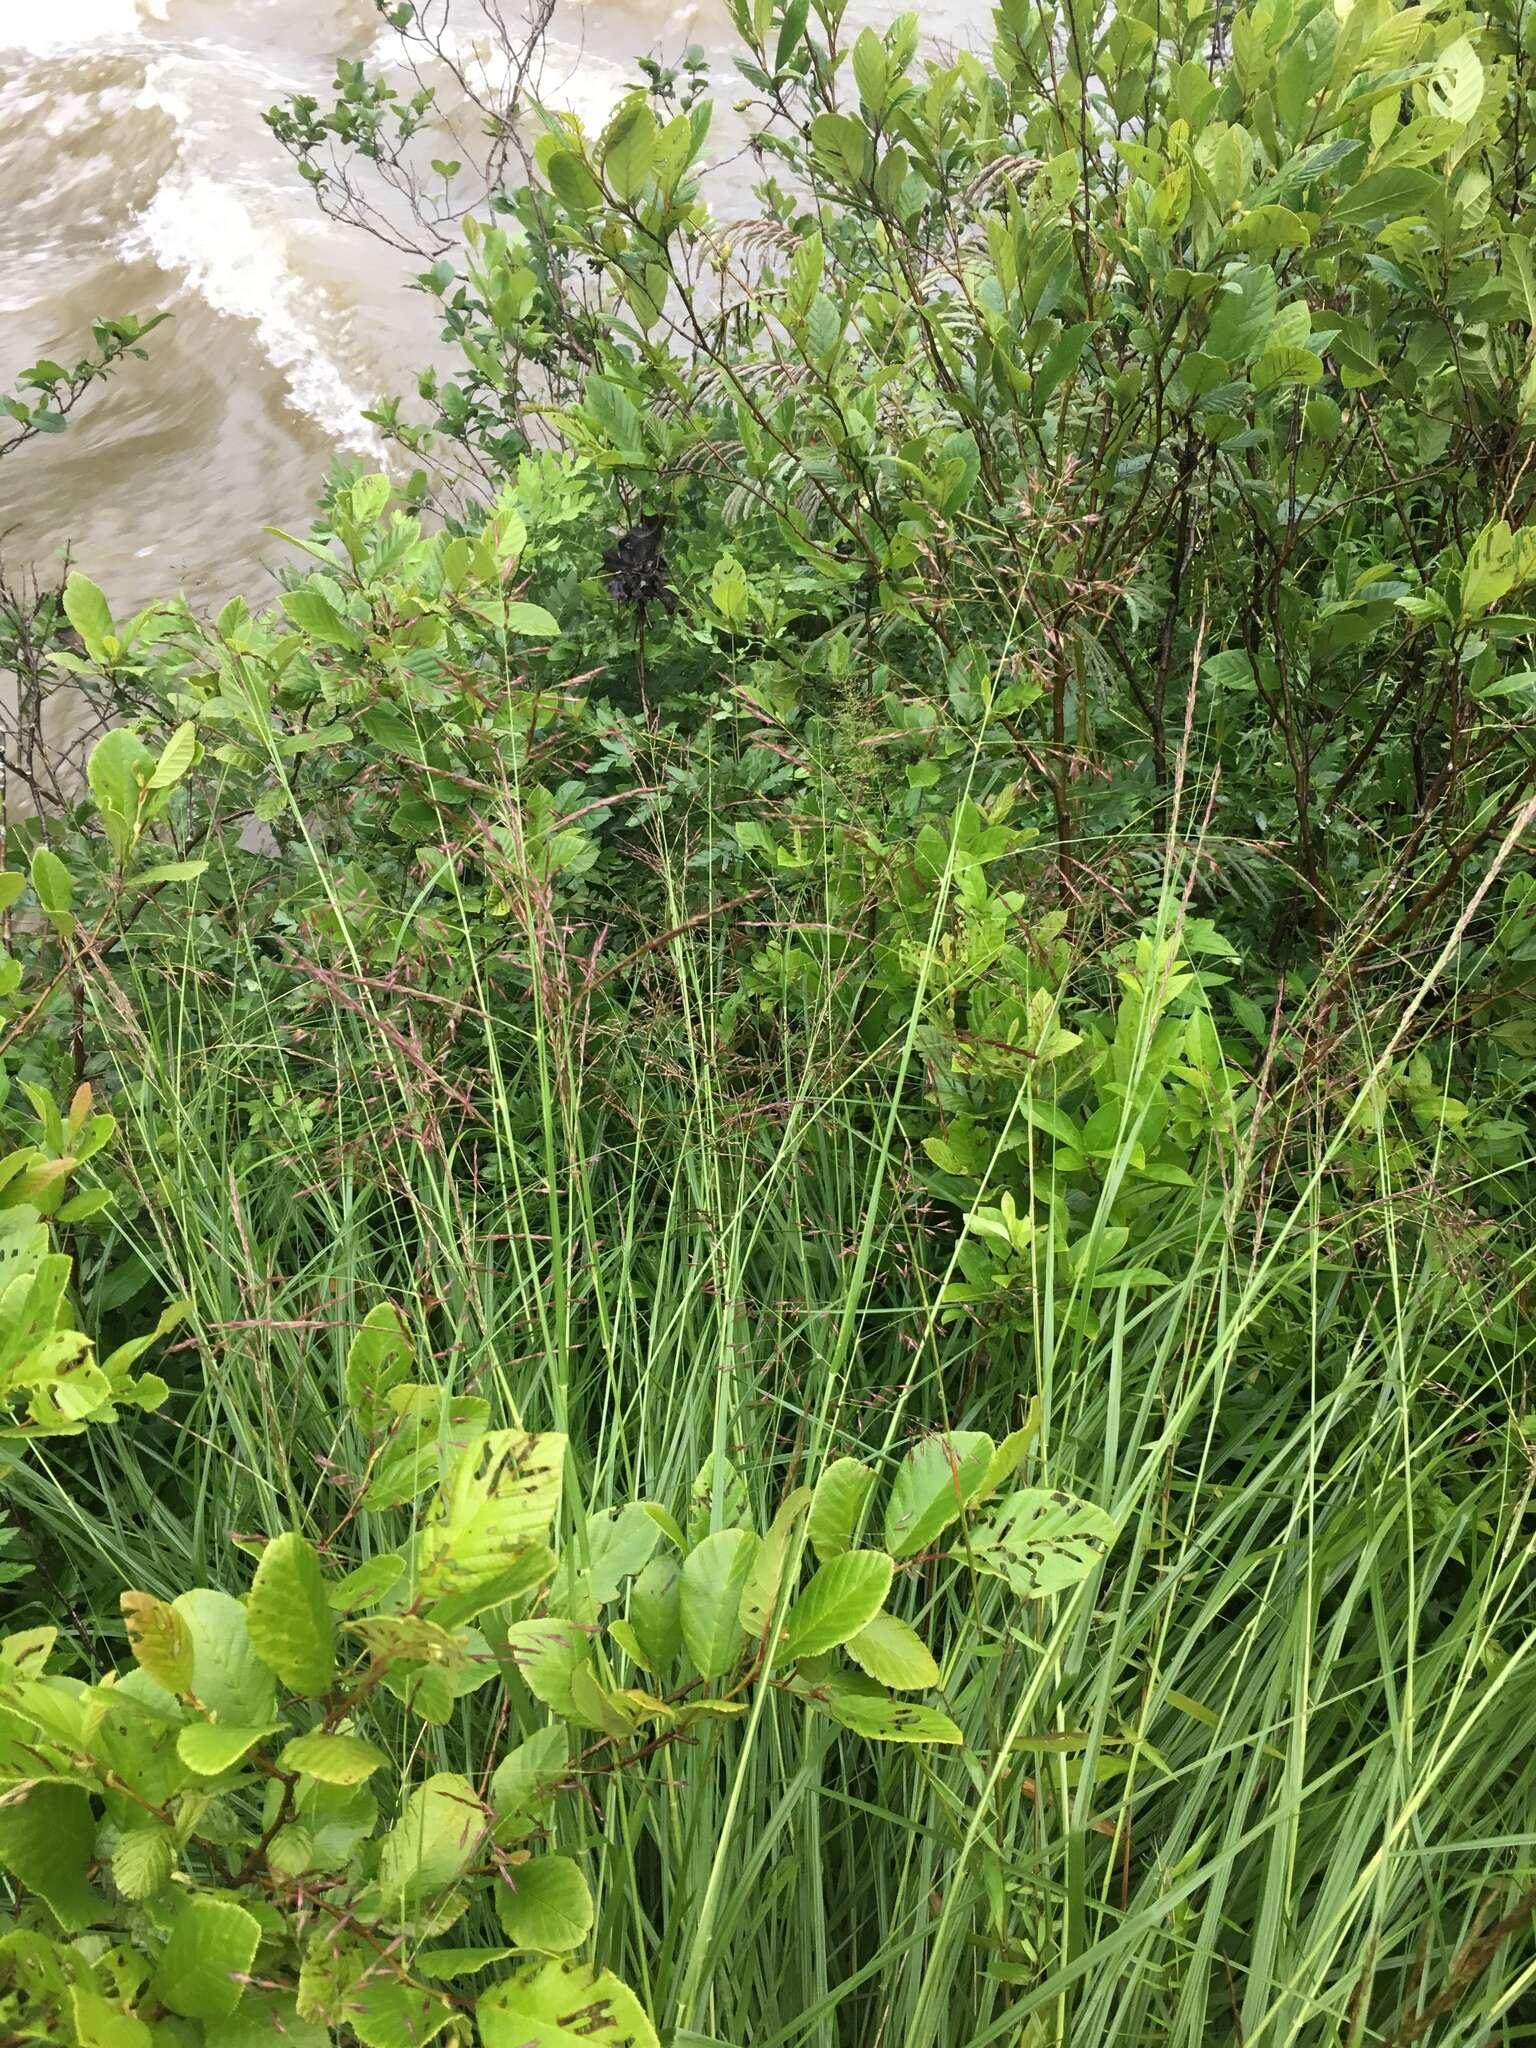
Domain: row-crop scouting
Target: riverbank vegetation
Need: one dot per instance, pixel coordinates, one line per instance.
(765, 1231)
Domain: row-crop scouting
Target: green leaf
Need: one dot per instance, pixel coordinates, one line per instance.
(870, 72)
(265, 2019)
(563, 2005)
(628, 148)
(883, 1720)
(314, 615)
(333, 1759)
(47, 1843)
(433, 1843)
(1388, 194)
(378, 1358)
(175, 759)
(290, 1618)
(518, 617)
(211, 1748)
(844, 1595)
(51, 882)
(88, 612)
(713, 1579)
(367, 1584)
(547, 1652)
(143, 1860)
(523, 1788)
(545, 1904)
(1041, 1542)
(614, 412)
(837, 1506)
(100, 2024)
(204, 1964)
(655, 1612)
(384, 2013)
(717, 1499)
(1284, 366)
(11, 887)
(1496, 562)
(760, 1596)
(168, 871)
(228, 1677)
(936, 1480)
(893, 1654)
(1243, 314)
(1456, 90)
(118, 772)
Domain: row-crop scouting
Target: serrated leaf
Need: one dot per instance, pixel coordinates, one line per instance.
(893, 1654)
(563, 2005)
(837, 1506)
(333, 1759)
(264, 2019)
(844, 1595)
(936, 1480)
(159, 1639)
(204, 1965)
(885, 1720)
(143, 1860)
(228, 1678)
(289, 1616)
(714, 1576)
(210, 1748)
(384, 2013)
(545, 1904)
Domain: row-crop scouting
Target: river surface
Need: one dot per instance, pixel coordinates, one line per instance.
(137, 176)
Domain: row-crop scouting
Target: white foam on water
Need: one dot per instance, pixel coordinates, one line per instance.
(67, 24)
(226, 232)
(207, 231)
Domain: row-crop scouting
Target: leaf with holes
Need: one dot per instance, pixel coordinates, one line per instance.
(886, 1720)
(1041, 1542)
(563, 2005)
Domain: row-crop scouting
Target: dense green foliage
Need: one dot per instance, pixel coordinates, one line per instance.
(916, 822)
